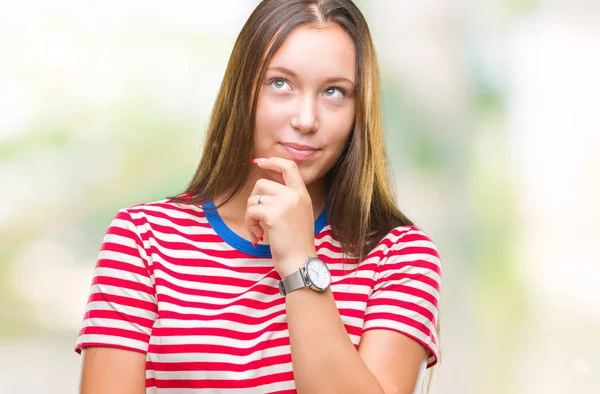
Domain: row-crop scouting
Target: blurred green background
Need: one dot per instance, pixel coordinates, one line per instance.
(492, 123)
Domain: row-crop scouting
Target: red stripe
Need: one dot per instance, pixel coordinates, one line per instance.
(234, 317)
(120, 316)
(409, 290)
(261, 288)
(116, 300)
(150, 382)
(410, 278)
(398, 318)
(225, 384)
(393, 265)
(124, 267)
(223, 254)
(409, 306)
(159, 229)
(217, 279)
(219, 332)
(351, 313)
(85, 344)
(167, 207)
(122, 283)
(242, 302)
(262, 267)
(368, 282)
(120, 248)
(340, 296)
(219, 349)
(129, 234)
(183, 223)
(329, 246)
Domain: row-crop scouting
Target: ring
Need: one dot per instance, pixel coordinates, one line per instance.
(260, 199)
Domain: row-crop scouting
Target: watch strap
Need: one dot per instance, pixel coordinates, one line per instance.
(293, 281)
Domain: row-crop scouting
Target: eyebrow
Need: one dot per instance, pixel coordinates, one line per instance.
(293, 74)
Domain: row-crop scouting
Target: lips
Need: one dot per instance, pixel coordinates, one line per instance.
(299, 151)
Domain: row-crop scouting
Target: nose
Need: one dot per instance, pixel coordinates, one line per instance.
(305, 118)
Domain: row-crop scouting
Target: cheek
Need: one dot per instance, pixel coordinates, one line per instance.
(269, 116)
(341, 126)
(269, 121)
(340, 130)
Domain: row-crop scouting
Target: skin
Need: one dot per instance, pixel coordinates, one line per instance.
(307, 97)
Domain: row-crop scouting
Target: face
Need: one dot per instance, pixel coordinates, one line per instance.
(306, 105)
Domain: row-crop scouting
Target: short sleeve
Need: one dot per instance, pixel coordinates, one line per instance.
(407, 289)
(121, 307)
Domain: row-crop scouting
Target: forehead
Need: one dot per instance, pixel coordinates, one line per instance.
(319, 52)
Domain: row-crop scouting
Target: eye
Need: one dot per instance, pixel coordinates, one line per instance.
(280, 84)
(335, 92)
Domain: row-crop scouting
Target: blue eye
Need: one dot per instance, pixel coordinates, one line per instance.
(280, 84)
(334, 92)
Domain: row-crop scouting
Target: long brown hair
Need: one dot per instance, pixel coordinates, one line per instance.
(360, 203)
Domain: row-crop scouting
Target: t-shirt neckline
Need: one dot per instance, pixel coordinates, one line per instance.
(241, 244)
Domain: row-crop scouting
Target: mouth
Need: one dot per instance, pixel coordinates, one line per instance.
(299, 152)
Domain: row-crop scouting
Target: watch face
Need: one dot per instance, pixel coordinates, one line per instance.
(318, 273)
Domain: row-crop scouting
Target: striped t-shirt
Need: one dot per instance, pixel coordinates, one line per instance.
(174, 282)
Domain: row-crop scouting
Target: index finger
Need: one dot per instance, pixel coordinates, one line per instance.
(288, 169)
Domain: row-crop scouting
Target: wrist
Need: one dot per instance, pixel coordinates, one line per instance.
(291, 264)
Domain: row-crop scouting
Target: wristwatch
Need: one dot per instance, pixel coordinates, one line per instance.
(314, 274)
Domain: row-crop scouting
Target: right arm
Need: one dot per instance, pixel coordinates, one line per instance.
(111, 370)
(119, 316)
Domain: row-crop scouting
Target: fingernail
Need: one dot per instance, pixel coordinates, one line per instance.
(254, 244)
(258, 160)
(260, 239)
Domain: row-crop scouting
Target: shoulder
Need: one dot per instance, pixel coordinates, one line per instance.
(165, 209)
(410, 244)
(408, 236)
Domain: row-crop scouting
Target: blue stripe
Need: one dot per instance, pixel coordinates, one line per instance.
(241, 244)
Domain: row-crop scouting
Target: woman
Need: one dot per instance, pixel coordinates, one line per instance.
(285, 266)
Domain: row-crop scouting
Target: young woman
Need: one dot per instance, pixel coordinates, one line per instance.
(285, 266)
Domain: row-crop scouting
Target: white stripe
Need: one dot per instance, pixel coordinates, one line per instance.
(165, 222)
(218, 358)
(174, 213)
(214, 300)
(122, 274)
(224, 375)
(223, 288)
(121, 257)
(378, 323)
(403, 297)
(166, 306)
(213, 271)
(414, 283)
(269, 388)
(413, 257)
(244, 344)
(120, 239)
(222, 323)
(417, 317)
(129, 310)
(108, 340)
(119, 324)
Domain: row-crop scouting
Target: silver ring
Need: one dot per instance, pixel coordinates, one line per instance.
(260, 199)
